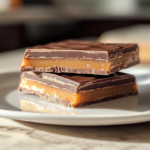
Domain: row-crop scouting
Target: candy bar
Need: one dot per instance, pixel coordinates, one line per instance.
(80, 57)
(74, 90)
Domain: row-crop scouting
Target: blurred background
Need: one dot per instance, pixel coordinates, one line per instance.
(25, 23)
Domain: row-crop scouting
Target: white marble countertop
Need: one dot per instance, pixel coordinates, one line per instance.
(16, 135)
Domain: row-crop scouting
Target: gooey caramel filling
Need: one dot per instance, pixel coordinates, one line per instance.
(75, 99)
(79, 63)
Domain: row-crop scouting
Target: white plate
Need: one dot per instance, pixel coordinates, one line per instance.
(127, 110)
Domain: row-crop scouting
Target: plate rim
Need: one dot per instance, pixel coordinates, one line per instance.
(121, 119)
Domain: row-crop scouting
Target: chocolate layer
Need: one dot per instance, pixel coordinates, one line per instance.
(80, 50)
(79, 83)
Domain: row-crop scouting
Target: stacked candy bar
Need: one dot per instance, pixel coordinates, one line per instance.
(78, 73)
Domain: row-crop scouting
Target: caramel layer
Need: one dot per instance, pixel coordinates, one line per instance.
(79, 97)
(72, 63)
(79, 63)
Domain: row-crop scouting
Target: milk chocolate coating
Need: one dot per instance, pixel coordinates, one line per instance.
(79, 83)
(80, 49)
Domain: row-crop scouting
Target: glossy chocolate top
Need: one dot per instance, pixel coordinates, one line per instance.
(79, 49)
(77, 83)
